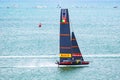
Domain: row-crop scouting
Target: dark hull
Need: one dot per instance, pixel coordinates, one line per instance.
(73, 63)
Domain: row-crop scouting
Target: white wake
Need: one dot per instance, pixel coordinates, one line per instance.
(57, 56)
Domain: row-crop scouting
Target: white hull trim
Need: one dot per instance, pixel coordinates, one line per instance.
(72, 65)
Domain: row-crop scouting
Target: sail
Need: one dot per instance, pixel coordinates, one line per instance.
(76, 53)
(65, 42)
(70, 53)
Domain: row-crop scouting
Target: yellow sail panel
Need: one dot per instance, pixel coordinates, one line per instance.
(65, 55)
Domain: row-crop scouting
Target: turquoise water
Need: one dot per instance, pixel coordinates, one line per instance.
(35, 69)
(96, 25)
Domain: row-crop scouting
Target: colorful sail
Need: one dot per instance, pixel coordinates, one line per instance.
(70, 53)
(65, 43)
(76, 53)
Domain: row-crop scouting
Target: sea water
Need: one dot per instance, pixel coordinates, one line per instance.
(29, 52)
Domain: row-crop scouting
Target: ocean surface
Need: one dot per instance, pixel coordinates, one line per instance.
(28, 52)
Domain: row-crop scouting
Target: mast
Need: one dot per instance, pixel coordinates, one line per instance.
(65, 40)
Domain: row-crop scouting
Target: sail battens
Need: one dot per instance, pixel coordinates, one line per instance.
(64, 34)
(76, 54)
(75, 47)
(63, 47)
(73, 39)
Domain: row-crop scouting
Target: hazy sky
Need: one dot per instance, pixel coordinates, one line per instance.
(60, 2)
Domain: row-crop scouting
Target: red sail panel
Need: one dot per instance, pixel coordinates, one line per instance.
(76, 54)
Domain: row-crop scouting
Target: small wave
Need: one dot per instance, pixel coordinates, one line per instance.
(40, 66)
(40, 6)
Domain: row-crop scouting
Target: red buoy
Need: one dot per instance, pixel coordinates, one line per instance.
(40, 25)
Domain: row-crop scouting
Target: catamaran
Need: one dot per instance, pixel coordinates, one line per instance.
(70, 54)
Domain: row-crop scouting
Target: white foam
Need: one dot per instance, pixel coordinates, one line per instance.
(36, 65)
(56, 56)
(43, 56)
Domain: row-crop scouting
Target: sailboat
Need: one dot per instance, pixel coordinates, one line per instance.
(70, 54)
